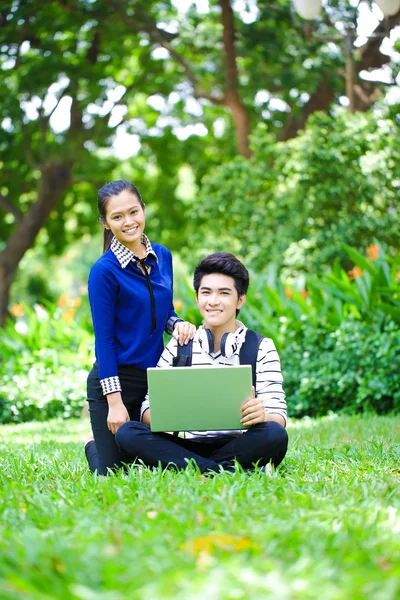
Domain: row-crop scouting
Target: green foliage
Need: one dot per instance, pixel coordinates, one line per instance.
(370, 293)
(44, 361)
(325, 525)
(355, 368)
(296, 202)
(45, 354)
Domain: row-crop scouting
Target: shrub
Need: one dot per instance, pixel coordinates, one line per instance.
(354, 369)
(45, 357)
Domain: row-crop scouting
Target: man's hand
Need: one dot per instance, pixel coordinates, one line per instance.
(253, 411)
(184, 332)
(117, 413)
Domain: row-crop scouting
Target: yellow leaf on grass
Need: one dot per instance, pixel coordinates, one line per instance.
(211, 543)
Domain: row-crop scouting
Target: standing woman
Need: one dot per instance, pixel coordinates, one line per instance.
(130, 294)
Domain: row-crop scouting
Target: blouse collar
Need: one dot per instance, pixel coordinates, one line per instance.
(124, 255)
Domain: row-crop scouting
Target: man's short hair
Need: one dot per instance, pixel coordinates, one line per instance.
(226, 264)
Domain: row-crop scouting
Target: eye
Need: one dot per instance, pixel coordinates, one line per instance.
(116, 217)
(133, 212)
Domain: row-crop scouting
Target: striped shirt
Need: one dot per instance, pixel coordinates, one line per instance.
(268, 374)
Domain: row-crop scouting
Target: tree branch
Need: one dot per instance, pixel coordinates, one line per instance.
(371, 57)
(164, 39)
(232, 97)
(9, 207)
(62, 95)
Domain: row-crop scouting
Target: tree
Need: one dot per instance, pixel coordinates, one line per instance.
(294, 202)
(100, 62)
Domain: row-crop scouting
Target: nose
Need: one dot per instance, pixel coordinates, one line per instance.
(213, 300)
(129, 220)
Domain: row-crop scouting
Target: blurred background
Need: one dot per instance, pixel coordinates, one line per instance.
(269, 129)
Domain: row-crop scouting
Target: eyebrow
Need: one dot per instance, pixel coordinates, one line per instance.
(118, 212)
(204, 288)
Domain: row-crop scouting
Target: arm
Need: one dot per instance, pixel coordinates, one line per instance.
(102, 297)
(269, 403)
(269, 383)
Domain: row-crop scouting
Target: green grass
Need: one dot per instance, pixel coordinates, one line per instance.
(326, 526)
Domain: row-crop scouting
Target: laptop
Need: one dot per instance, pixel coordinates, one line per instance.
(198, 398)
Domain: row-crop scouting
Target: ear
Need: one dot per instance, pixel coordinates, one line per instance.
(103, 222)
(241, 301)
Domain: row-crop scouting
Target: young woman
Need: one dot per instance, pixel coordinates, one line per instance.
(130, 294)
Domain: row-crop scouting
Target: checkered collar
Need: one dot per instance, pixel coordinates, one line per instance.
(124, 255)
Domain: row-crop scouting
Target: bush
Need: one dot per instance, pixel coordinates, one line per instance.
(41, 388)
(295, 202)
(45, 357)
(353, 369)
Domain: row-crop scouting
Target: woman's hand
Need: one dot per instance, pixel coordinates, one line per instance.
(184, 332)
(117, 413)
(253, 411)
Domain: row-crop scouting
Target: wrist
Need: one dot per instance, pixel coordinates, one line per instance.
(176, 323)
(114, 398)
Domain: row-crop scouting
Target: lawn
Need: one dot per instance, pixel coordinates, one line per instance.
(326, 525)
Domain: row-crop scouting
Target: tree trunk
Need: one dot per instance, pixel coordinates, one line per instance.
(232, 98)
(55, 179)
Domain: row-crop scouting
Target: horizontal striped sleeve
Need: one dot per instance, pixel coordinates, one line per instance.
(269, 379)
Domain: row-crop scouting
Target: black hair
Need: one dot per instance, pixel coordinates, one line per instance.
(226, 264)
(114, 188)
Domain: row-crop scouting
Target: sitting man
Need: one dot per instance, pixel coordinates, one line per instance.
(220, 282)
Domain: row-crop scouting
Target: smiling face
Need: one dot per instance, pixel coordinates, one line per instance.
(218, 300)
(126, 219)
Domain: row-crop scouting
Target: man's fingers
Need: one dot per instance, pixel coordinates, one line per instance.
(247, 409)
(249, 422)
(249, 403)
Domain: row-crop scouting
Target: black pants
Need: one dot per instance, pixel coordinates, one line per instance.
(262, 443)
(103, 453)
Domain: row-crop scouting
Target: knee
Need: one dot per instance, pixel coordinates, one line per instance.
(278, 434)
(273, 434)
(128, 432)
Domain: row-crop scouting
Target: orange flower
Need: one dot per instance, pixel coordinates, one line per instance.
(373, 251)
(178, 305)
(68, 315)
(288, 293)
(76, 302)
(17, 310)
(62, 301)
(355, 272)
(303, 293)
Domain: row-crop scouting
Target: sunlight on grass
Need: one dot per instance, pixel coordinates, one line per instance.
(326, 525)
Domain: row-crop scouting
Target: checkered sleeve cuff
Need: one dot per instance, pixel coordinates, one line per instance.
(109, 385)
(169, 328)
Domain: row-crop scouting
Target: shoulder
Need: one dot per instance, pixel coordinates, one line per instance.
(107, 264)
(169, 353)
(161, 251)
(266, 348)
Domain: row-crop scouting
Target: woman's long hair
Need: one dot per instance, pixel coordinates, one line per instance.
(114, 188)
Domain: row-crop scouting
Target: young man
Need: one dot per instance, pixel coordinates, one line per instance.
(220, 282)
